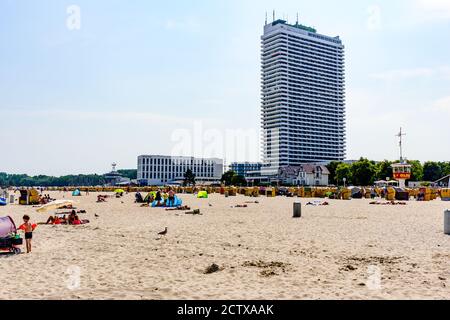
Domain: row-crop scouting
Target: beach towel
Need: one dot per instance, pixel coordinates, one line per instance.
(169, 204)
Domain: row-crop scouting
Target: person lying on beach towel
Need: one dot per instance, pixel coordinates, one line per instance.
(241, 206)
(196, 212)
(73, 211)
(318, 203)
(56, 220)
(389, 203)
(101, 198)
(183, 208)
(159, 204)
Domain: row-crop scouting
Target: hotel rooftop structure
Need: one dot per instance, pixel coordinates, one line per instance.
(303, 96)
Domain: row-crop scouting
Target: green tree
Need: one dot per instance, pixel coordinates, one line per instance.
(383, 170)
(23, 180)
(189, 178)
(332, 166)
(416, 170)
(238, 180)
(128, 173)
(445, 167)
(363, 172)
(432, 171)
(227, 177)
(343, 170)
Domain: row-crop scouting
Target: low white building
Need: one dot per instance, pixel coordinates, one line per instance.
(304, 175)
(157, 170)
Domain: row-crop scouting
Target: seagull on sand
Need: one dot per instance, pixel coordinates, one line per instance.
(96, 215)
(163, 233)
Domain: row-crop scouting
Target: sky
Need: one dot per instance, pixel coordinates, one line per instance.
(84, 83)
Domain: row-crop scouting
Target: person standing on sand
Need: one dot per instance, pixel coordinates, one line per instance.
(28, 228)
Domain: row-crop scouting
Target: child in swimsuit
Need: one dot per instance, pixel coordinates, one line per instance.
(28, 228)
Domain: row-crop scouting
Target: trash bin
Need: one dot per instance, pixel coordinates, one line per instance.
(297, 210)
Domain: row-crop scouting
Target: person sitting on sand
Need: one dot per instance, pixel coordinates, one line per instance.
(71, 218)
(138, 197)
(159, 200)
(171, 198)
(76, 221)
(149, 198)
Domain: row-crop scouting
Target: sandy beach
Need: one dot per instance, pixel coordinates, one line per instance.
(332, 252)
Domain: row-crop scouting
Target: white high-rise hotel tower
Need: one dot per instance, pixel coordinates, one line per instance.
(303, 96)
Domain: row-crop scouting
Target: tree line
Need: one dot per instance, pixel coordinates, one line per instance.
(365, 172)
(24, 180)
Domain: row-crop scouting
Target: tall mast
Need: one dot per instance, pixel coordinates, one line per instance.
(400, 136)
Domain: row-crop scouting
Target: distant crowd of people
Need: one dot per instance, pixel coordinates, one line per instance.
(45, 198)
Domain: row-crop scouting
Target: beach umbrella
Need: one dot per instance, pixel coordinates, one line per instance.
(119, 191)
(55, 205)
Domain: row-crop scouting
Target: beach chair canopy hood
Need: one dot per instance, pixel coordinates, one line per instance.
(7, 226)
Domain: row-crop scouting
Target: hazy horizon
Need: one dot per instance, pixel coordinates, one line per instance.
(146, 77)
